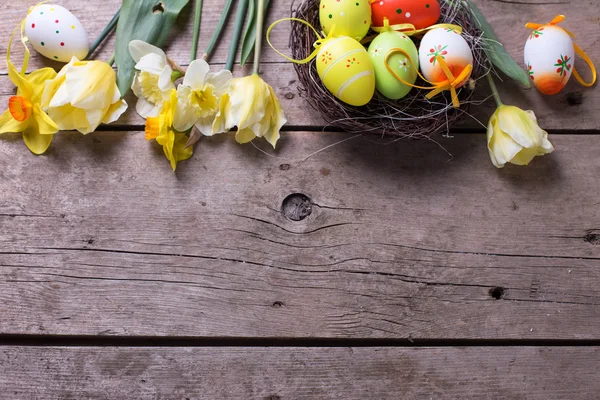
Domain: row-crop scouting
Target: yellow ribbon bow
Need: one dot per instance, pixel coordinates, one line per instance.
(558, 19)
(450, 84)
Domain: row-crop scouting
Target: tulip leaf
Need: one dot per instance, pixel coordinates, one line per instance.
(496, 52)
(147, 20)
(250, 31)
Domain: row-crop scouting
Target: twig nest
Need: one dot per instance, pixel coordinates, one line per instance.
(407, 112)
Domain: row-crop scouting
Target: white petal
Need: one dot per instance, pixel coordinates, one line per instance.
(135, 85)
(94, 118)
(185, 116)
(221, 81)
(195, 76)
(205, 125)
(164, 81)
(61, 97)
(139, 49)
(151, 63)
(146, 109)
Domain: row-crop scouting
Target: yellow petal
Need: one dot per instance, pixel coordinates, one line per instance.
(19, 81)
(46, 126)
(518, 124)
(36, 142)
(69, 118)
(9, 124)
(38, 79)
(180, 152)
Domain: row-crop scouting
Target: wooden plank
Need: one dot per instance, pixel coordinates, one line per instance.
(99, 237)
(299, 373)
(573, 109)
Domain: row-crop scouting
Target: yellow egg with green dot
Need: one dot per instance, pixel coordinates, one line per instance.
(346, 70)
(345, 17)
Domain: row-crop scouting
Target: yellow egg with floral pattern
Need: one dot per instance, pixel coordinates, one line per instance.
(345, 17)
(346, 70)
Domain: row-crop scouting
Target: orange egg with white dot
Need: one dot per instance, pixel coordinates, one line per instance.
(56, 33)
(420, 13)
(449, 46)
(345, 17)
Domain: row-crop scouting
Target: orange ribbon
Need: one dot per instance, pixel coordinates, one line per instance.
(558, 19)
(437, 87)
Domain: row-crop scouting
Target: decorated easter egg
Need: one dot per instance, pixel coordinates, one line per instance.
(346, 70)
(420, 13)
(451, 47)
(345, 17)
(56, 33)
(404, 64)
(549, 57)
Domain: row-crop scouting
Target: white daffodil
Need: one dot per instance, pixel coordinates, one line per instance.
(199, 97)
(152, 81)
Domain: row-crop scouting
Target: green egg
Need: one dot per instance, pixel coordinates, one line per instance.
(405, 65)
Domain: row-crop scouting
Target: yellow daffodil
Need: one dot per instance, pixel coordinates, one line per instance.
(83, 95)
(25, 113)
(152, 82)
(514, 136)
(199, 97)
(161, 129)
(253, 107)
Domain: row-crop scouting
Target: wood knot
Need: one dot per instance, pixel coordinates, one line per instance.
(592, 238)
(297, 207)
(497, 292)
(285, 167)
(277, 304)
(575, 98)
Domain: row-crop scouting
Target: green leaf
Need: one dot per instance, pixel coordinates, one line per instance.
(147, 20)
(250, 31)
(495, 50)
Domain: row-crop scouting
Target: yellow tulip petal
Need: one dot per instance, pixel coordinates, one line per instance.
(114, 112)
(46, 126)
(9, 124)
(245, 135)
(518, 124)
(36, 142)
(524, 157)
(69, 118)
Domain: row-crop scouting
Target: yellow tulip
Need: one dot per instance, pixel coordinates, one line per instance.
(253, 107)
(25, 113)
(514, 136)
(161, 129)
(83, 95)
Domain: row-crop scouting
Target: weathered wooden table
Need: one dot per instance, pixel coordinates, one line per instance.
(416, 275)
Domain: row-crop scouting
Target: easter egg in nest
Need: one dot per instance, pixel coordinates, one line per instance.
(346, 70)
(345, 17)
(549, 58)
(56, 33)
(451, 47)
(400, 54)
(420, 13)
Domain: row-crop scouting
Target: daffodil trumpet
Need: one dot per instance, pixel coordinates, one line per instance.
(513, 135)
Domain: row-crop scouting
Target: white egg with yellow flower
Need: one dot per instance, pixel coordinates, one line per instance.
(56, 33)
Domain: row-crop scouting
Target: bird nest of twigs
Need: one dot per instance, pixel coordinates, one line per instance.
(413, 116)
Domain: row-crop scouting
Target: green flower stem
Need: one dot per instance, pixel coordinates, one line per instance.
(260, 26)
(196, 34)
(217, 33)
(237, 33)
(494, 89)
(107, 30)
(111, 60)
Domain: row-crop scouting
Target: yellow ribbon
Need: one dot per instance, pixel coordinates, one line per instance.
(24, 40)
(558, 19)
(437, 87)
(318, 43)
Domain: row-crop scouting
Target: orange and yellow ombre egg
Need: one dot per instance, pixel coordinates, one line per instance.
(346, 70)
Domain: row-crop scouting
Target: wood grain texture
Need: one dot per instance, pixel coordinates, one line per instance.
(296, 373)
(573, 109)
(99, 237)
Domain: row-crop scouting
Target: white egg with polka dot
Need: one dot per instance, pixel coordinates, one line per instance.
(56, 33)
